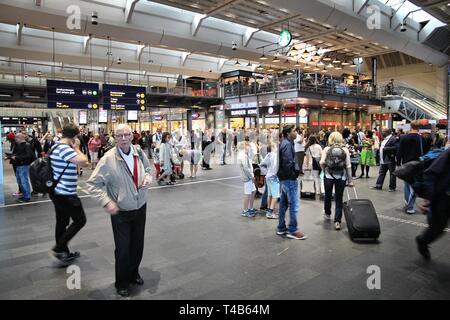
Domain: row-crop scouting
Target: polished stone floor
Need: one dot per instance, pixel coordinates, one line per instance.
(197, 246)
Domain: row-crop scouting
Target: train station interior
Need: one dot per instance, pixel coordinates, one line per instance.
(246, 93)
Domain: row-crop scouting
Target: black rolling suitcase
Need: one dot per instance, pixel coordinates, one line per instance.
(361, 218)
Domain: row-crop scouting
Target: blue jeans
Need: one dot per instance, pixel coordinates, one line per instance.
(22, 180)
(410, 196)
(339, 186)
(289, 199)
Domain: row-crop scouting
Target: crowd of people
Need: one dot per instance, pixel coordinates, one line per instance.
(124, 164)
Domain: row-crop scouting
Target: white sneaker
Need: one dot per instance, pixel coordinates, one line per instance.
(337, 225)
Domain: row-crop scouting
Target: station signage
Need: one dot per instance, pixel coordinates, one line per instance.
(132, 116)
(245, 105)
(242, 113)
(117, 97)
(103, 116)
(72, 95)
(158, 118)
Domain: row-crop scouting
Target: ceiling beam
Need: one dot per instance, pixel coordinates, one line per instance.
(434, 4)
(86, 42)
(198, 19)
(129, 8)
(140, 50)
(248, 35)
(184, 57)
(220, 64)
(195, 25)
(19, 33)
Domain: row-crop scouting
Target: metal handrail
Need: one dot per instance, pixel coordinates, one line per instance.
(166, 85)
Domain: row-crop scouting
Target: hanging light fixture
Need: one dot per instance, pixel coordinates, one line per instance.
(249, 64)
(237, 64)
(293, 51)
(353, 65)
(297, 64)
(326, 58)
(346, 62)
(270, 69)
(330, 66)
(260, 68)
(316, 57)
(321, 64)
(336, 60)
(307, 67)
(276, 59)
(316, 68)
(338, 67)
(324, 70)
(263, 57)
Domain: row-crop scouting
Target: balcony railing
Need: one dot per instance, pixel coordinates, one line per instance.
(36, 74)
(305, 82)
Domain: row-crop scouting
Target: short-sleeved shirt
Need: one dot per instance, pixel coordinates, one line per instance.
(60, 157)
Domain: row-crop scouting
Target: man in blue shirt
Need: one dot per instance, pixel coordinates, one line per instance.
(288, 172)
(65, 156)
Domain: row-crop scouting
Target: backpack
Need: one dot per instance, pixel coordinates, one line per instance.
(41, 174)
(412, 172)
(335, 160)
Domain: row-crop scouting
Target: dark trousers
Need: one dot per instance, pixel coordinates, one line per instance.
(66, 208)
(128, 229)
(354, 168)
(384, 168)
(339, 186)
(300, 157)
(437, 219)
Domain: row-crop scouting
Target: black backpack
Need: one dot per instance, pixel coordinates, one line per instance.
(335, 160)
(41, 174)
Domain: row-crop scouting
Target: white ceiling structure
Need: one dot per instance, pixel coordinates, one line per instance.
(195, 38)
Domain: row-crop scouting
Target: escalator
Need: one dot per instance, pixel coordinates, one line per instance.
(413, 105)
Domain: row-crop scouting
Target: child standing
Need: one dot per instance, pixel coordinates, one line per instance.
(248, 178)
(272, 182)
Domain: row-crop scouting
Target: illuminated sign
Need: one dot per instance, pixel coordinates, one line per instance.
(303, 112)
(132, 116)
(117, 97)
(72, 95)
(284, 38)
(103, 116)
(82, 119)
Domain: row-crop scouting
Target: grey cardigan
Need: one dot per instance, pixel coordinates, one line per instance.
(111, 180)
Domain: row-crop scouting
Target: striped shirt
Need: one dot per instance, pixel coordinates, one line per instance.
(60, 157)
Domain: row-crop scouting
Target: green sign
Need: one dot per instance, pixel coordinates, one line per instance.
(285, 38)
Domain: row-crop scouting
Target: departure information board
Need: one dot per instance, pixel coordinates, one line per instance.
(116, 97)
(72, 95)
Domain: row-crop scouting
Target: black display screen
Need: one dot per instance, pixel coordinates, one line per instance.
(72, 95)
(116, 97)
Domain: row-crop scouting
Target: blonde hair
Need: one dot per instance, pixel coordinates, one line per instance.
(335, 138)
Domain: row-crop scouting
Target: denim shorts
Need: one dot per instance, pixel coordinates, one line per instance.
(273, 187)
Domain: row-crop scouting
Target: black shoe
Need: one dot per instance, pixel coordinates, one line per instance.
(138, 280)
(423, 249)
(263, 208)
(376, 188)
(71, 256)
(123, 292)
(21, 200)
(34, 193)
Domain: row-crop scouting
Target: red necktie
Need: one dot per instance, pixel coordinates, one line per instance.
(135, 172)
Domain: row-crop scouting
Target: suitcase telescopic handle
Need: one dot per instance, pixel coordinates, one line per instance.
(348, 193)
